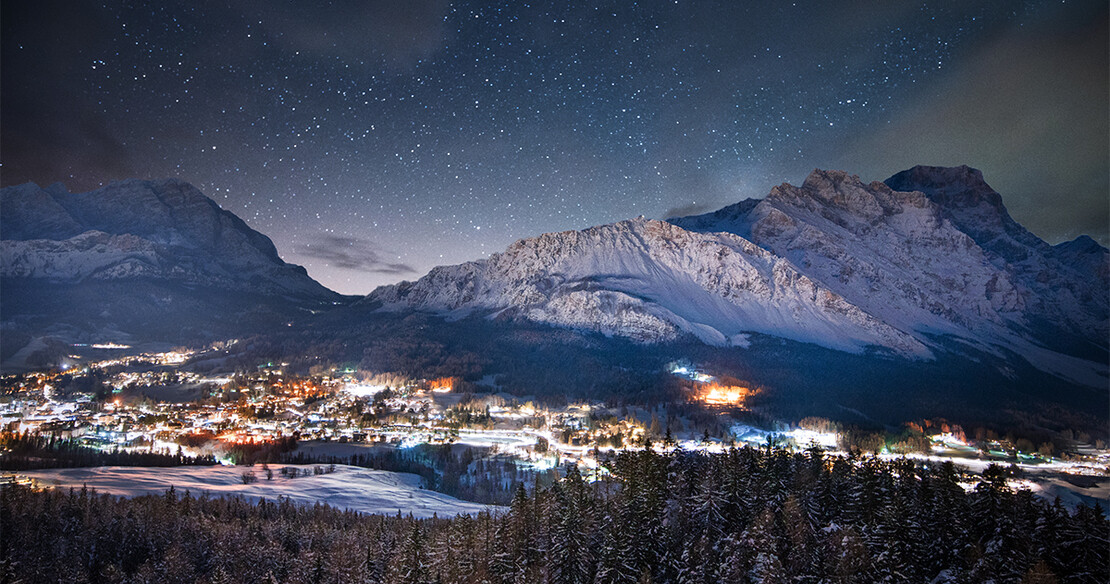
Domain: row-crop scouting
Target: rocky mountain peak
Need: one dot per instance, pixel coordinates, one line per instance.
(1084, 244)
(843, 198)
(964, 198)
(931, 249)
(140, 228)
(951, 187)
(28, 211)
(820, 180)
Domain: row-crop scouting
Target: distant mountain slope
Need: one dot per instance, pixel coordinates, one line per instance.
(837, 263)
(934, 252)
(1064, 287)
(139, 261)
(651, 281)
(163, 230)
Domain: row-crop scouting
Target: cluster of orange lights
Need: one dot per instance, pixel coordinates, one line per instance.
(442, 385)
(241, 439)
(953, 429)
(299, 388)
(716, 394)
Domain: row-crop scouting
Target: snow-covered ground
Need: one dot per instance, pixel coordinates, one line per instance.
(802, 437)
(1071, 494)
(349, 487)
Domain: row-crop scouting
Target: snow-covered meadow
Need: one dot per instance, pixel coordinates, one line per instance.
(348, 487)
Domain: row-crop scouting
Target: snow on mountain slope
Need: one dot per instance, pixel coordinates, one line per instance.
(137, 262)
(887, 251)
(938, 254)
(162, 230)
(834, 262)
(651, 281)
(90, 254)
(1065, 285)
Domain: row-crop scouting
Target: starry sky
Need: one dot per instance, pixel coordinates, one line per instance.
(372, 140)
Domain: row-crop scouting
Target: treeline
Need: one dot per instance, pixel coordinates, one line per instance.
(250, 453)
(738, 517)
(28, 451)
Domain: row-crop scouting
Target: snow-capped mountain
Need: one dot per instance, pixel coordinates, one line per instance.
(136, 261)
(1063, 287)
(932, 251)
(904, 268)
(158, 230)
(651, 281)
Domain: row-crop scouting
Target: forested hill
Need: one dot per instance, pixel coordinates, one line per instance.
(743, 516)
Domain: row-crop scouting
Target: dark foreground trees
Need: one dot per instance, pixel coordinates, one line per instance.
(743, 516)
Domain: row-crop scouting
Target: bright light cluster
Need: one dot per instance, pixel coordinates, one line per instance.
(716, 394)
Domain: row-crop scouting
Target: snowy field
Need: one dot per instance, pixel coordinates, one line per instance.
(349, 487)
(1071, 494)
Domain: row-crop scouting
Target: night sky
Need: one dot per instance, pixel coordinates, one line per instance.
(374, 140)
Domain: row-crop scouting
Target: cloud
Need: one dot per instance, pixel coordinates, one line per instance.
(688, 209)
(352, 253)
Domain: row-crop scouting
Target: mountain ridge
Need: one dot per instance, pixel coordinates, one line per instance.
(135, 262)
(873, 266)
(164, 229)
(628, 278)
(922, 264)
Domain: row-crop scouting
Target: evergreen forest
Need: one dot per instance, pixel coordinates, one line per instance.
(746, 515)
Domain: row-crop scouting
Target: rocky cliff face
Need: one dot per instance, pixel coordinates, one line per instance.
(904, 266)
(1063, 287)
(138, 261)
(158, 230)
(651, 281)
(933, 252)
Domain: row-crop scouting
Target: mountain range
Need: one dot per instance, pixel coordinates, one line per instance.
(928, 261)
(165, 230)
(925, 272)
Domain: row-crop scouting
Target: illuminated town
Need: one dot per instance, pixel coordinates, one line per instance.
(155, 403)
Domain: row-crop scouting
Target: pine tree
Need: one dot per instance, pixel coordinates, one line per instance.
(849, 560)
(739, 502)
(801, 557)
(1003, 557)
(570, 560)
(735, 563)
(1048, 534)
(524, 527)
(1085, 546)
(503, 562)
(709, 502)
(692, 568)
(891, 543)
(175, 567)
(616, 561)
(766, 566)
(945, 512)
(411, 563)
